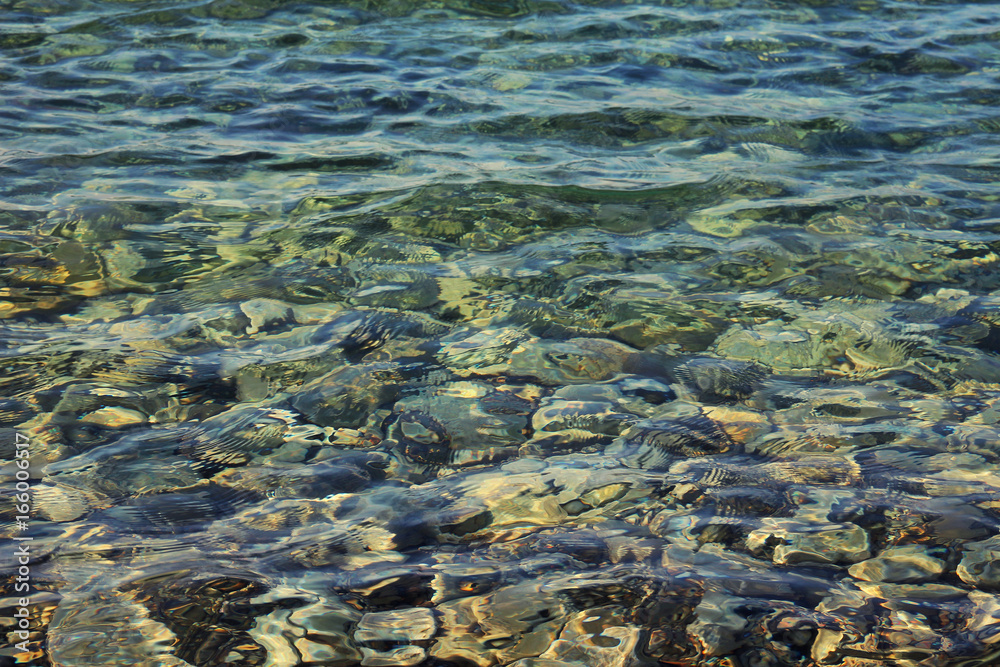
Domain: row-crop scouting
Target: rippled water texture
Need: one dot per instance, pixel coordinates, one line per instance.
(519, 333)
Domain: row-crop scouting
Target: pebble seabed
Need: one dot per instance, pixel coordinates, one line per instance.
(271, 483)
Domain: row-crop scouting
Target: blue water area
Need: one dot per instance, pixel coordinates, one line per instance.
(515, 333)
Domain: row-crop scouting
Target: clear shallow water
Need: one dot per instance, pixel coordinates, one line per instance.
(497, 333)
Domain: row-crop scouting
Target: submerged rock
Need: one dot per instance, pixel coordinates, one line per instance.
(797, 542)
(399, 626)
(347, 396)
(980, 564)
(899, 565)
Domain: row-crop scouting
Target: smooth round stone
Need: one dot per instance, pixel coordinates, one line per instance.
(265, 312)
(719, 628)
(403, 656)
(926, 592)
(980, 566)
(587, 415)
(346, 396)
(742, 425)
(474, 415)
(908, 564)
(845, 543)
(523, 466)
(573, 361)
(400, 625)
(985, 617)
(114, 417)
(821, 340)
(604, 494)
(597, 636)
(951, 461)
(318, 631)
(57, 503)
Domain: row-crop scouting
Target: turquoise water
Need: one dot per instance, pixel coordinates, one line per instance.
(528, 333)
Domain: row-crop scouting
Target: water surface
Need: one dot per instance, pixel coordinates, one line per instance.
(527, 333)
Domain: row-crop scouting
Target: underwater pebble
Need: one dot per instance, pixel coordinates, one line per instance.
(846, 543)
(401, 625)
(980, 564)
(899, 565)
(719, 628)
(114, 417)
(402, 656)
